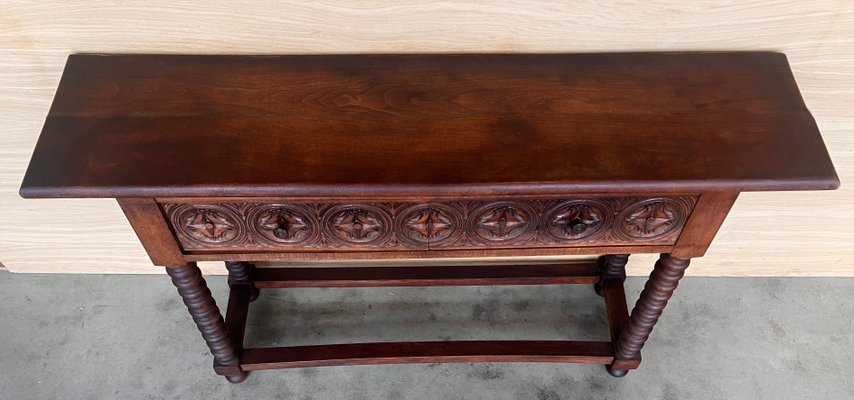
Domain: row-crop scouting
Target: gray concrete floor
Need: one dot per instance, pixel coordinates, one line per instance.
(129, 337)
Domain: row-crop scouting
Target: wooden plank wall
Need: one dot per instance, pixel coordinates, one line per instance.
(785, 234)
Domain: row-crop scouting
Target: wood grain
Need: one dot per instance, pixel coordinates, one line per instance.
(65, 235)
(155, 235)
(703, 225)
(428, 352)
(556, 274)
(426, 124)
(197, 297)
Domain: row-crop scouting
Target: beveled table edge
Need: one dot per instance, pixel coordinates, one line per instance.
(431, 190)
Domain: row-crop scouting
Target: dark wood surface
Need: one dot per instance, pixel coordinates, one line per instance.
(431, 125)
(428, 352)
(237, 313)
(703, 224)
(245, 158)
(242, 278)
(153, 230)
(202, 307)
(421, 254)
(659, 288)
(549, 274)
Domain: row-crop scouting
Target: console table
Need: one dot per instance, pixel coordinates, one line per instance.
(245, 159)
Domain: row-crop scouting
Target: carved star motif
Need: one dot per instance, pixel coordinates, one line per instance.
(284, 224)
(430, 224)
(502, 222)
(651, 220)
(208, 225)
(358, 225)
(575, 220)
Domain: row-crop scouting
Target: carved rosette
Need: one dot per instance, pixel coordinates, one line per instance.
(429, 223)
(573, 220)
(358, 224)
(283, 224)
(504, 221)
(652, 218)
(211, 224)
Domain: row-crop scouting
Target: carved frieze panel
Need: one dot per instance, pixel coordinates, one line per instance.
(294, 225)
(315, 226)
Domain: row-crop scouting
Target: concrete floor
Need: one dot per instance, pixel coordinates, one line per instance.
(129, 337)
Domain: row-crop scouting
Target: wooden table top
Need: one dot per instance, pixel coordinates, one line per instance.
(364, 125)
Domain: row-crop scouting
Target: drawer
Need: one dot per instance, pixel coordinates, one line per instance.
(294, 226)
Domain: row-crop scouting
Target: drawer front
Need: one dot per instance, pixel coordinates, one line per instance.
(294, 226)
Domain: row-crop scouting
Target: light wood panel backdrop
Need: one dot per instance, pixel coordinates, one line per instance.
(792, 234)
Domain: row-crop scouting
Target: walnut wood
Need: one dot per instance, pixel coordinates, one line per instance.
(660, 286)
(240, 273)
(387, 125)
(703, 224)
(265, 225)
(614, 266)
(620, 367)
(615, 306)
(428, 352)
(576, 273)
(424, 84)
(610, 286)
(152, 230)
(618, 319)
(327, 255)
(194, 291)
(611, 266)
(236, 314)
(247, 158)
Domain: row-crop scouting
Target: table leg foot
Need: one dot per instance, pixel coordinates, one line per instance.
(254, 293)
(617, 373)
(237, 378)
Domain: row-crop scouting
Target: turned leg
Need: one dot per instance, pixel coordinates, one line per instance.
(193, 289)
(660, 286)
(240, 273)
(611, 267)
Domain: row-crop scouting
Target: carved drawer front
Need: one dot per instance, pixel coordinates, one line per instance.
(468, 224)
